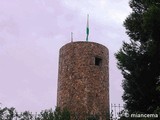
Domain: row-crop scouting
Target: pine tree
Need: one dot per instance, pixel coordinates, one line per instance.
(139, 60)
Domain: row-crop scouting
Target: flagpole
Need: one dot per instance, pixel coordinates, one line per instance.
(87, 29)
(71, 36)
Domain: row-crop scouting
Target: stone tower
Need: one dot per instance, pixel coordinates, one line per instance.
(83, 79)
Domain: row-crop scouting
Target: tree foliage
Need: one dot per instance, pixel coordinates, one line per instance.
(48, 114)
(139, 60)
(12, 114)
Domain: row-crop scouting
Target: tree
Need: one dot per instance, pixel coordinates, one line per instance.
(26, 116)
(63, 114)
(48, 114)
(93, 117)
(8, 113)
(139, 60)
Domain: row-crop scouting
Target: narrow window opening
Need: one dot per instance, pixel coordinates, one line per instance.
(98, 61)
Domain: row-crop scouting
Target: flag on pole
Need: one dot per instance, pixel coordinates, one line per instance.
(87, 29)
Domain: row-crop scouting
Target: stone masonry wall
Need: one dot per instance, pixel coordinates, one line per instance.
(83, 86)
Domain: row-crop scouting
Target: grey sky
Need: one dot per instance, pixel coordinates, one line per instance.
(33, 31)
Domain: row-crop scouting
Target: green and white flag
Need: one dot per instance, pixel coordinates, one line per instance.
(87, 29)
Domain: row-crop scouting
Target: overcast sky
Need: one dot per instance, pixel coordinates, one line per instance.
(33, 31)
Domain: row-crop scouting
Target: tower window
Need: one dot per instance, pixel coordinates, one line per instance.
(98, 61)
